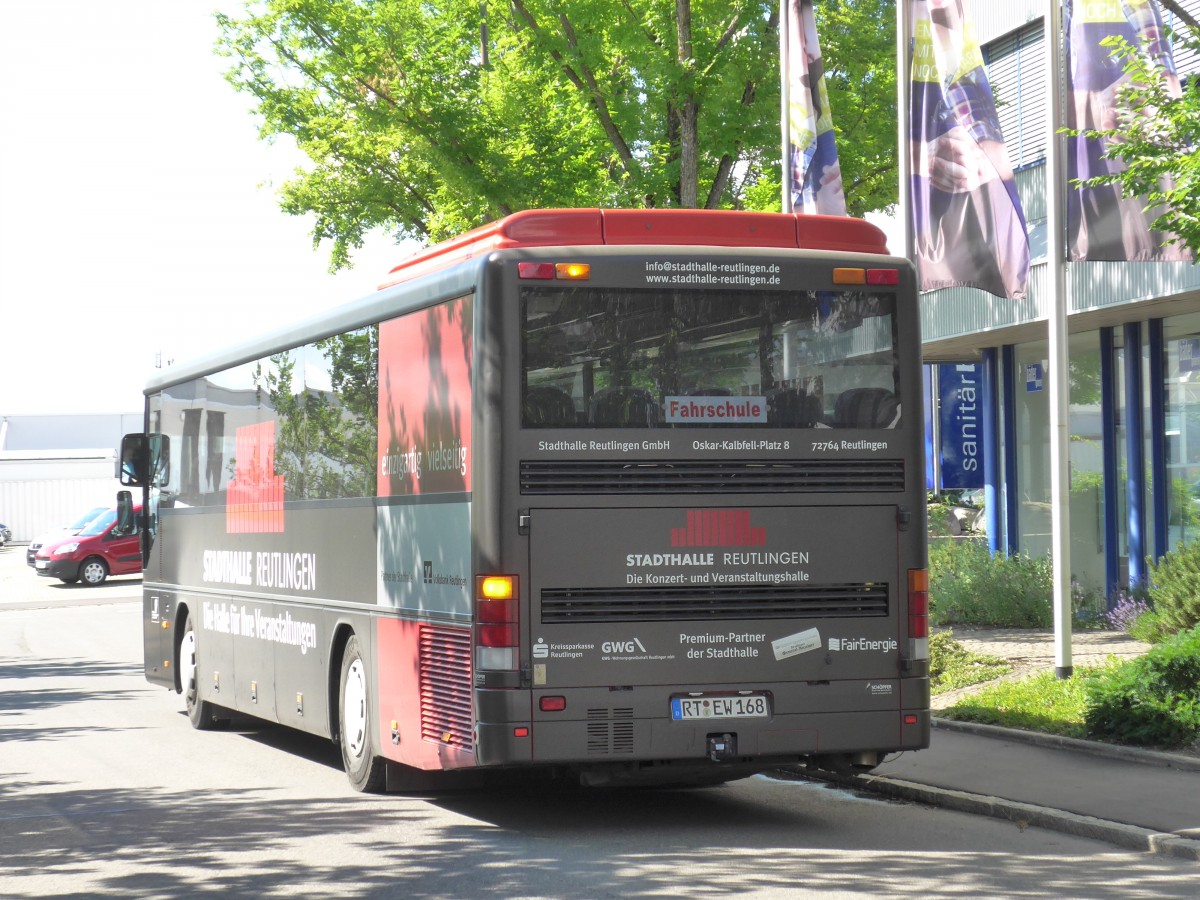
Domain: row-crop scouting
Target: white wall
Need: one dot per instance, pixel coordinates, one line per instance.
(46, 491)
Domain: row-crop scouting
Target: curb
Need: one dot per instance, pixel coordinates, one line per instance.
(1095, 748)
(1024, 815)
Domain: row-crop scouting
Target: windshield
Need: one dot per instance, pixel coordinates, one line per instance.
(648, 358)
(99, 524)
(85, 518)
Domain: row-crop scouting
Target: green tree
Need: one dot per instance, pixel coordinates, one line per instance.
(426, 119)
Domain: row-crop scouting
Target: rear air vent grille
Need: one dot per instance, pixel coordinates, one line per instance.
(446, 686)
(717, 477)
(609, 732)
(745, 601)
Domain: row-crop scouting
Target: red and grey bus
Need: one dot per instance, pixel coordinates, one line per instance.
(628, 495)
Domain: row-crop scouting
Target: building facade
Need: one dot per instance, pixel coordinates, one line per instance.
(1134, 360)
(55, 467)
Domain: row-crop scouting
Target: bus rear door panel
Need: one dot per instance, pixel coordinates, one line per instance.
(797, 605)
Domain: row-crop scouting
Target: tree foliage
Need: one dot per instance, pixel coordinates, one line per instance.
(426, 119)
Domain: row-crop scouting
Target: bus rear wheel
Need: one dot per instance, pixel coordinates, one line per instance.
(366, 770)
(201, 713)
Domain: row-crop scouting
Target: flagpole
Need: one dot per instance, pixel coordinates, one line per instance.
(1058, 377)
(904, 128)
(785, 102)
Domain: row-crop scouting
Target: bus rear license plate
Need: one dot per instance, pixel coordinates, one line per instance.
(740, 706)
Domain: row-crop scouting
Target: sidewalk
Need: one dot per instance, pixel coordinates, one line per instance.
(1137, 799)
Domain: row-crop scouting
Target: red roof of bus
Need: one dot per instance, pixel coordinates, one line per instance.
(683, 227)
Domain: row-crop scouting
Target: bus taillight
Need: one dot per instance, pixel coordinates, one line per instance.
(535, 270)
(496, 598)
(559, 271)
(918, 603)
(918, 613)
(883, 276)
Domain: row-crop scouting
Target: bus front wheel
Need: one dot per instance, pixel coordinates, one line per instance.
(201, 713)
(365, 770)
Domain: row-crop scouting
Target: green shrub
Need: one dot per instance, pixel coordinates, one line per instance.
(1152, 700)
(969, 586)
(1148, 627)
(1175, 588)
(951, 665)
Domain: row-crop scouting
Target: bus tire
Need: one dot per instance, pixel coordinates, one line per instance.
(201, 713)
(367, 772)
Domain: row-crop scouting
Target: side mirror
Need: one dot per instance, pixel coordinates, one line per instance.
(124, 512)
(145, 459)
(135, 460)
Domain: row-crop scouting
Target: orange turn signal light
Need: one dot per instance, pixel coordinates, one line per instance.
(573, 271)
(496, 587)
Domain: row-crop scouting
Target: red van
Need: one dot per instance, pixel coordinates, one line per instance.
(99, 550)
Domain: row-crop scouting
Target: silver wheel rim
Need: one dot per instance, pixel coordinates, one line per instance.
(187, 662)
(93, 573)
(354, 709)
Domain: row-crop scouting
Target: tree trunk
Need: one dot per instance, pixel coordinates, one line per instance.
(687, 111)
(1184, 16)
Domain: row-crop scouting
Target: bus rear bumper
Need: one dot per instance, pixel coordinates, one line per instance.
(782, 740)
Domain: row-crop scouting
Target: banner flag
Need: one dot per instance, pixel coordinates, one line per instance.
(813, 173)
(1101, 223)
(968, 226)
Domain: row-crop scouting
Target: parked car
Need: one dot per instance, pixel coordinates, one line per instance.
(5, 534)
(59, 533)
(101, 549)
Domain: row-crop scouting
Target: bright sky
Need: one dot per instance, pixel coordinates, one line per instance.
(137, 213)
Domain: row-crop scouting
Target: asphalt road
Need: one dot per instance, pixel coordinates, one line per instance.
(106, 791)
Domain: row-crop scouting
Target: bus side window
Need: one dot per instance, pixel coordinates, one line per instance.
(548, 407)
(866, 408)
(624, 406)
(794, 408)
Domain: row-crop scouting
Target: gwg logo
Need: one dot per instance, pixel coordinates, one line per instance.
(622, 646)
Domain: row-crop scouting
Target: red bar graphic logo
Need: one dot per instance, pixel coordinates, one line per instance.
(718, 528)
(254, 502)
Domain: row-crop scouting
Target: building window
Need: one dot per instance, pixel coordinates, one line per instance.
(1181, 389)
(1016, 69)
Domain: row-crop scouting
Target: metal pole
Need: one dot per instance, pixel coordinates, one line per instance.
(1058, 378)
(785, 103)
(904, 126)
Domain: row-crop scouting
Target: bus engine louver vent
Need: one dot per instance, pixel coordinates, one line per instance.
(746, 601)
(715, 477)
(609, 731)
(445, 669)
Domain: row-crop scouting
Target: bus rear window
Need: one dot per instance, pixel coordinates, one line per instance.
(628, 358)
